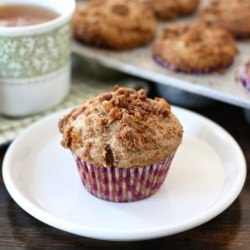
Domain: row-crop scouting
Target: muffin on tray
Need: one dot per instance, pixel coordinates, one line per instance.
(233, 15)
(114, 24)
(194, 48)
(123, 143)
(170, 9)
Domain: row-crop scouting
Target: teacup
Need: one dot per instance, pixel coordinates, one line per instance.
(35, 61)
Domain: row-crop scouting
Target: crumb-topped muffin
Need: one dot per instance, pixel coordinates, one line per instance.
(194, 48)
(170, 9)
(122, 134)
(114, 24)
(232, 15)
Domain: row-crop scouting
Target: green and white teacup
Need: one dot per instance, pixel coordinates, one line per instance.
(35, 61)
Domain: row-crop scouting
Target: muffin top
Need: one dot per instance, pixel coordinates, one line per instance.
(232, 15)
(115, 24)
(190, 47)
(122, 128)
(170, 9)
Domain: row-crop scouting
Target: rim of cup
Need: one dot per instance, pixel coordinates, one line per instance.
(65, 10)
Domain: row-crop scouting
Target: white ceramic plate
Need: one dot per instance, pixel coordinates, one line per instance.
(207, 175)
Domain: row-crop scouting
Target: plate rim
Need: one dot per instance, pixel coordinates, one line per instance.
(120, 235)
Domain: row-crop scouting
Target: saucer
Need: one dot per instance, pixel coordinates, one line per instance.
(207, 174)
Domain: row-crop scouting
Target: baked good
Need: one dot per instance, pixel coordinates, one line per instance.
(232, 15)
(114, 24)
(194, 48)
(123, 143)
(170, 9)
(245, 77)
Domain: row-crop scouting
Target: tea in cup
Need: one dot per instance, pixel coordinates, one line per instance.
(35, 49)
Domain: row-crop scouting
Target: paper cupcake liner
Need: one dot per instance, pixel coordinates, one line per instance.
(173, 67)
(123, 184)
(245, 78)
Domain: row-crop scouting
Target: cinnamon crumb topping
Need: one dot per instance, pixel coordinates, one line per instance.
(130, 139)
(120, 9)
(121, 128)
(107, 105)
(105, 97)
(126, 101)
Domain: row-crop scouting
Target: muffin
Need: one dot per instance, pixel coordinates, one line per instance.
(114, 24)
(194, 48)
(232, 15)
(170, 9)
(123, 143)
(245, 77)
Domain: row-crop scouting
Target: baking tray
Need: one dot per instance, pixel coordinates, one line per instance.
(224, 87)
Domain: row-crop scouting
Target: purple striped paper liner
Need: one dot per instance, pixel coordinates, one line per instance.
(245, 78)
(123, 184)
(173, 67)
